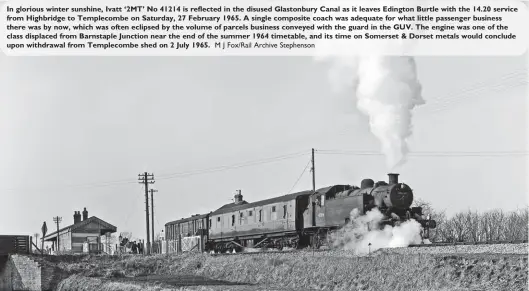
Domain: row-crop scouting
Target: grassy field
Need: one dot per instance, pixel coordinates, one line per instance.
(299, 271)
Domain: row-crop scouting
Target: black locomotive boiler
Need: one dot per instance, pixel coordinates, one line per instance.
(331, 207)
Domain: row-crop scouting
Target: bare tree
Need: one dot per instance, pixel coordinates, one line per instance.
(438, 233)
(447, 231)
(472, 225)
(523, 224)
(515, 225)
(486, 226)
(425, 205)
(498, 223)
(127, 235)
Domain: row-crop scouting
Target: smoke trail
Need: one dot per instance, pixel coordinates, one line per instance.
(363, 235)
(385, 80)
(387, 91)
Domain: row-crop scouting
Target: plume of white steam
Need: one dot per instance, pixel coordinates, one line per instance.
(387, 88)
(387, 91)
(363, 235)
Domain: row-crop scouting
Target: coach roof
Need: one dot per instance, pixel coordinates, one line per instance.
(283, 198)
(193, 217)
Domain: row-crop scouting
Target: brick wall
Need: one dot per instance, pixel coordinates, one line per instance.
(29, 273)
(25, 273)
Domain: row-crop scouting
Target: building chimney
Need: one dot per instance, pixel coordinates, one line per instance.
(393, 178)
(76, 217)
(238, 197)
(85, 214)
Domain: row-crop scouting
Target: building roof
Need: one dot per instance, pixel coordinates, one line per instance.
(235, 207)
(193, 217)
(230, 205)
(105, 226)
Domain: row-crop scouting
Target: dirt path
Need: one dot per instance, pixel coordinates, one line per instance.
(179, 281)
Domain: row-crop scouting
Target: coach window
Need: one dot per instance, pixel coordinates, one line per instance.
(284, 211)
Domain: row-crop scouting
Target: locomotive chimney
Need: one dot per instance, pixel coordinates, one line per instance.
(393, 178)
(238, 197)
(85, 214)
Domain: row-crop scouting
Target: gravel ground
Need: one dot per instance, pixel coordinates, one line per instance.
(520, 249)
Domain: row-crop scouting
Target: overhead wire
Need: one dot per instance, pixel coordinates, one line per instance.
(483, 84)
(233, 166)
(447, 102)
(299, 178)
(429, 153)
(178, 175)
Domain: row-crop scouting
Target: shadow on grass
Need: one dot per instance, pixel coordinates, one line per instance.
(178, 280)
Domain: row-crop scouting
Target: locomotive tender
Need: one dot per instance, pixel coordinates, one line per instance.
(299, 219)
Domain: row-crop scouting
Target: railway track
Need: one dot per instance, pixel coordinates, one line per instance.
(440, 244)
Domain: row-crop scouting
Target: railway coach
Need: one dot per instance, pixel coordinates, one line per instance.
(187, 234)
(274, 222)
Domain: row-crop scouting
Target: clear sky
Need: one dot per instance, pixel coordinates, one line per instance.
(87, 121)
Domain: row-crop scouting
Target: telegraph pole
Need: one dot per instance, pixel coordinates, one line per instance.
(57, 220)
(146, 179)
(44, 231)
(313, 170)
(152, 213)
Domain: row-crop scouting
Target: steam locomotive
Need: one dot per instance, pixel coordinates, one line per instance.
(299, 219)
